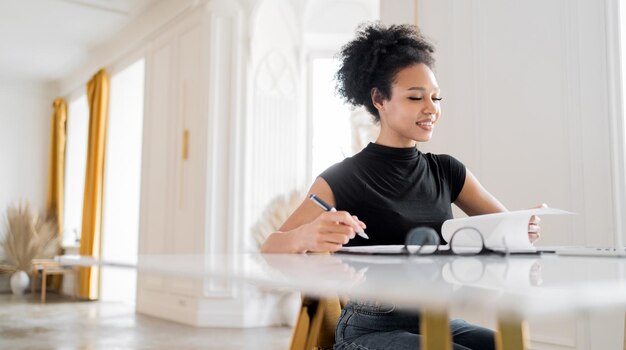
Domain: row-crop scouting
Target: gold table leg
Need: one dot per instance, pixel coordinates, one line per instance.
(435, 330)
(512, 333)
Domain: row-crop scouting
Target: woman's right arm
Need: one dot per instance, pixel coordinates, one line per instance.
(310, 228)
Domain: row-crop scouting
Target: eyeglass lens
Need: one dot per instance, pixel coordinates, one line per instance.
(422, 240)
(467, 241)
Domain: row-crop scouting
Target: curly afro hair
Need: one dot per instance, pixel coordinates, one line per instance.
(373, 59)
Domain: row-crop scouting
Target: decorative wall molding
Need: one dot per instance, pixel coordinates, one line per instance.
(273, 125)
(572, 117)
(616, 116)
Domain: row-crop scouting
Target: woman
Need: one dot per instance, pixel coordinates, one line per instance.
(390, 185)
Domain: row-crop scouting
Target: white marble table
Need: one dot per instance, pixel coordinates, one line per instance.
(513, 287)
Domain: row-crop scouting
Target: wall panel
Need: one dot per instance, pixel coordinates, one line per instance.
(526, 108)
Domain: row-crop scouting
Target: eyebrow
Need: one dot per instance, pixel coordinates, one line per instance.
(419, 88)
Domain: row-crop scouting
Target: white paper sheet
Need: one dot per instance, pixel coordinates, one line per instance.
(507, 231)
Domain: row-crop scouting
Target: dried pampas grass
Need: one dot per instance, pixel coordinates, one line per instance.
(273, 217)
(27, 236)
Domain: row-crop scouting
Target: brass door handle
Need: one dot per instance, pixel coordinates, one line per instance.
(185, 144)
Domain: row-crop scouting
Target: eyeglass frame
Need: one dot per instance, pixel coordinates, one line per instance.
(483, 251)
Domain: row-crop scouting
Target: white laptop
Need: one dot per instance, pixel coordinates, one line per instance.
(591, 251)
(616, 249)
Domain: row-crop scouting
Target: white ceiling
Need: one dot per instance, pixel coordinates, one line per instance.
(45, 40)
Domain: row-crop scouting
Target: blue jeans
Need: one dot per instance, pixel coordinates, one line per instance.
(369, 325)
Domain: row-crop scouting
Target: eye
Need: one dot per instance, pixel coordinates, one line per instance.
(437, 99)
(412, 98)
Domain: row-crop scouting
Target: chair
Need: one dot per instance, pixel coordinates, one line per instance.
(315, 327)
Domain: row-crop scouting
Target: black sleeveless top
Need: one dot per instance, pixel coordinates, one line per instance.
(393, 190)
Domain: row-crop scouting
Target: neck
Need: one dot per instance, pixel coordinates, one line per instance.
(405, 143)
(390, 138)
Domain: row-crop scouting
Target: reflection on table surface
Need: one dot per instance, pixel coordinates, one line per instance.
(527, 284)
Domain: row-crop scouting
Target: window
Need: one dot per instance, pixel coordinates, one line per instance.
(75, 163)
(331, 134)
(121, 201)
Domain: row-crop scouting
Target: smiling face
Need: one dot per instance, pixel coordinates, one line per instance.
(412, 110)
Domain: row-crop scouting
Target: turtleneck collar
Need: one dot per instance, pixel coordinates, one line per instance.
(407, 153)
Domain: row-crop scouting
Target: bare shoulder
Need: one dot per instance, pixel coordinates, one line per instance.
(308, 211)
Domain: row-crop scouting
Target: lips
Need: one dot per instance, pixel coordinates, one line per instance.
(425, 124)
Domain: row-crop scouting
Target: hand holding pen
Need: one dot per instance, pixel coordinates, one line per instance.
(329, 208)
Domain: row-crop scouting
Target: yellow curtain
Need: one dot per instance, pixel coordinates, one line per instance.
(98, 99)
(56, 174)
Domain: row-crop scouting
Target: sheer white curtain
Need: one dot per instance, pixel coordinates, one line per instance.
(75, 162)
(331, 134)
(120, 230)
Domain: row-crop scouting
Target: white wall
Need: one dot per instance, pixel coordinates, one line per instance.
(26, 108)
(526, 105)
(115, 54)
(399, 11)
(527, 108)
(25, 122)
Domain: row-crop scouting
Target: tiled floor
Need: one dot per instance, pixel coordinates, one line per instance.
(64, 324)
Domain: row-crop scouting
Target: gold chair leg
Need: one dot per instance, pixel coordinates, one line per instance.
(301, 330)
(512, 334)
(315, 328)
(435, 330)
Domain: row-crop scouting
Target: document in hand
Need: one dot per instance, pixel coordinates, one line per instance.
(507, 231)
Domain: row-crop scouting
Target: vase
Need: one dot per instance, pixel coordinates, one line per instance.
(19, 282)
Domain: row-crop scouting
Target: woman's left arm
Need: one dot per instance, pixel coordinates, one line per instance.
(474, 199)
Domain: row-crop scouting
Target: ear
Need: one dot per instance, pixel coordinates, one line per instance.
(377, 99)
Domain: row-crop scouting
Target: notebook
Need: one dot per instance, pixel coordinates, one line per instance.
(506, 231)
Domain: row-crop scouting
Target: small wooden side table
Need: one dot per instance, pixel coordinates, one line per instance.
(50, 267)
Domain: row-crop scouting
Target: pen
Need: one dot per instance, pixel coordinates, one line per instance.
(320, 202)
